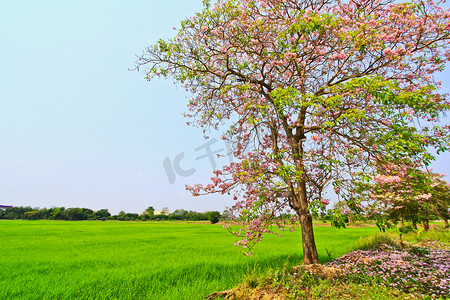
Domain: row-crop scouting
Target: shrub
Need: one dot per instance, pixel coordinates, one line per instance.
(214, 217)
(375, 241)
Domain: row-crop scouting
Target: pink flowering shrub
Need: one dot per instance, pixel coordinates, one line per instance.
(406, 192)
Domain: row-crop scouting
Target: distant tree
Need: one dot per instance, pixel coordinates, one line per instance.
(76, 213)
(57, 213)
(121, 216)
(179, 214)
(441, 198)
(131, 217)
(45, 213)
(214, 217)
(150, 211)
(32, 215)
(145, 217)
(102, 214)
(15, 212)
(196, 216)
(87, 213)
(226, 215)
(405, 192)
(160, 217)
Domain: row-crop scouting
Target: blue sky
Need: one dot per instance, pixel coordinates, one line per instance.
(78, 129)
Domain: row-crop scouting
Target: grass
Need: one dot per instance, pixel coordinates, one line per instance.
(297, 283)
(142, 260)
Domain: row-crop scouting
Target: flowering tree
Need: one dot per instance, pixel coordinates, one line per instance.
(409, 192)
(311, 93)
(441, 194)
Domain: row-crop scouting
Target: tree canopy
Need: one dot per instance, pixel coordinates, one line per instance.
(309, 93)
(406, 192)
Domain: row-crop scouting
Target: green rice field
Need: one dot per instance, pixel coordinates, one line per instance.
(142, 260)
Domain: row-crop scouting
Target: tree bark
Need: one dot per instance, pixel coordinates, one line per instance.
(446, 223)
(426, 225)
(310, 255)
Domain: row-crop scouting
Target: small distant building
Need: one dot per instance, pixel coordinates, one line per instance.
(5, 206)
(164, 212)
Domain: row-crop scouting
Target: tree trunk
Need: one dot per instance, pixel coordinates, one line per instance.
(299, 203)
(310, 255)
(425, 225)
(446, 223)
(401, 216)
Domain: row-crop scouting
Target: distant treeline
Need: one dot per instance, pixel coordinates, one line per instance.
(75, 213)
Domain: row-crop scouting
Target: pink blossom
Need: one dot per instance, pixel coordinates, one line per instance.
(339, 56)
(387, 51)
(325, 201)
